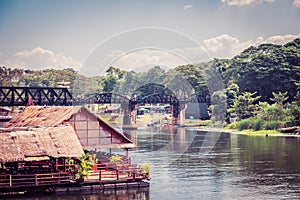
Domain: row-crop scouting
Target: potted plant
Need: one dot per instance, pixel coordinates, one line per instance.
(115, 160)
(146, 169)
(84, 167)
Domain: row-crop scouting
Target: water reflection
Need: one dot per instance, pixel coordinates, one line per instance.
(129, 194)
(236, 166)
(198, 164)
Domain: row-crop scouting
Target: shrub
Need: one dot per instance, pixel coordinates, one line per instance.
(84, 167)
(233, 125)
(271, 125)
(146, 168)
(244, 124)
(115, 159)
(257, 124)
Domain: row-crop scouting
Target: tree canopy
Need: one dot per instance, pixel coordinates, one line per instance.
(268, 71)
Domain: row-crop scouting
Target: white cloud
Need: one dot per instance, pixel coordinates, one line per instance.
(39, 58)
(222, 46)
(146, 57)
(281, 39)
(296, 3)
(226, 46)
(244, 2)
(188, 6)
(143, 58)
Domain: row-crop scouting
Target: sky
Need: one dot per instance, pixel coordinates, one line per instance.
(90, 36)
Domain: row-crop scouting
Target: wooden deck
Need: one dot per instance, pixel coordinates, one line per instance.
(107, 172)
(102, 177)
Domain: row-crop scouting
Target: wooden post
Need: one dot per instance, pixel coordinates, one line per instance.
(36, 179)
(126, 152)
(117, 174)
(58, 177)
(56, 164)
(64, 164)
(100, 175)
(10, 180)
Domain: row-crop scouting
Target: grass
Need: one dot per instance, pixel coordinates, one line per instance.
(106, 118)
(244, 124)
(261, 132)
(197, 122)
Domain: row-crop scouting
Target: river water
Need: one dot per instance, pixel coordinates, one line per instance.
(197, 164)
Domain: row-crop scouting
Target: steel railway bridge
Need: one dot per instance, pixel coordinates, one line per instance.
(45, 96)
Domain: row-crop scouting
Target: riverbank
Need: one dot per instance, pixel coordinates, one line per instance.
(146, 119)
(249, 132)
(265, 133)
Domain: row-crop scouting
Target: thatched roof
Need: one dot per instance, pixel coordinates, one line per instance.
(39, 116)
(29, 144)
(42, 116)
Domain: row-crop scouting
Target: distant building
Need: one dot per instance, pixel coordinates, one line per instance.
(197, 111)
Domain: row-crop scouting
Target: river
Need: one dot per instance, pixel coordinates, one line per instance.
(191, 164)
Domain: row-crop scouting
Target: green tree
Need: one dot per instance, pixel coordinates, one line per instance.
(267, 112)
(10, 77)
(218, 107)
(112, 79)
(154, 75)
(244, 106)
(193, 75)
(265, 69)
(109, 83)
(232, 93)
(178, 84)
(129, 84)
(279, 99)
(293, 114)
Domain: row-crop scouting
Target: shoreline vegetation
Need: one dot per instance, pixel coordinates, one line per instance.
(205, 125)
(250, 132)
(260, 87)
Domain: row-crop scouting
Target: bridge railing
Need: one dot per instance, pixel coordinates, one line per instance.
(21, 96)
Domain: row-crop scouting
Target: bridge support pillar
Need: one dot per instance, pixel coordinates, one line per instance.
(129, 118)
(182, 115)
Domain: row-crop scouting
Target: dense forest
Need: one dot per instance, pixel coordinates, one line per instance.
(260, 86)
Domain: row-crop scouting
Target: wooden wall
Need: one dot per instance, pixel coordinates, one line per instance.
(92, 132)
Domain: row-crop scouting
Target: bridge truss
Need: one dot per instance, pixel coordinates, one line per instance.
(43, 96)
(20, 96)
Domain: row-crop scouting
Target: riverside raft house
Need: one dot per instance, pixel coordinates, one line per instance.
(42, 149)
